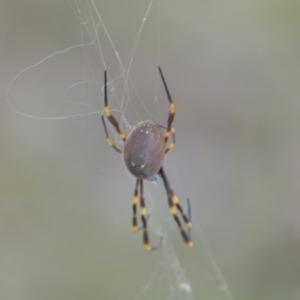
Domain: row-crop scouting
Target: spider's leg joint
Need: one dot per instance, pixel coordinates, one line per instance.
(172, 108)
(190, 244)
(147, 247)
(106, 111)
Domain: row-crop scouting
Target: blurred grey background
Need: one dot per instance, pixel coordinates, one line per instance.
(233, 70)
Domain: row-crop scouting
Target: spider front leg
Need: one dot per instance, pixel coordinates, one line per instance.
(107, 112)
(172, 144)
(173, 204)
(108, 140)
(171, 111)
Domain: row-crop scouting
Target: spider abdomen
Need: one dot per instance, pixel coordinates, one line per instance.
(144, 149)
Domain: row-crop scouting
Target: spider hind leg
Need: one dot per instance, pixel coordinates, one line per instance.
(174, 205)
(139, 191)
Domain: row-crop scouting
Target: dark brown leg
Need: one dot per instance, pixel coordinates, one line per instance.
(172, 107)
(107, 112)
(173, 204)
(134, 206)
(108, 140)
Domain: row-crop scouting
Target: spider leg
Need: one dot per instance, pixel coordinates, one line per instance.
(189, 213)
(173, 204)
(108, 140)
(142, 226)
(143, 216)
(172, 144)
(134, 206)
(172, 108)
(135, 228)
(107, 112)
(147, 247)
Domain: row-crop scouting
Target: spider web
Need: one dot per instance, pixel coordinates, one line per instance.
(65, 89)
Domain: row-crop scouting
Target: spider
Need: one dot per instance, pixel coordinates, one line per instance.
(144, 151)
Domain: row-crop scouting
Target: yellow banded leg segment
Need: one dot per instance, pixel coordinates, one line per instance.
(171, 109)
(172, 106)
(184, 216)
(143, 217)
(108, 141)
(107, 112)
(114, 122)
(173, 204)
(170, 120)
(134, 207)
(183, 233)
(172, 144)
